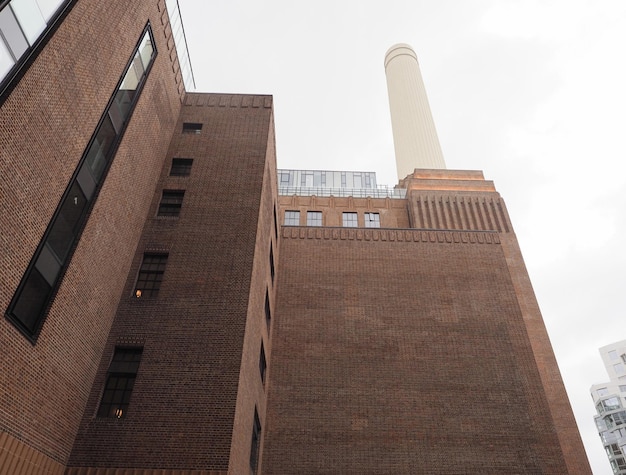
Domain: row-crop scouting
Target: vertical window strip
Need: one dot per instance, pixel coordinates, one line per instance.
(36, 290)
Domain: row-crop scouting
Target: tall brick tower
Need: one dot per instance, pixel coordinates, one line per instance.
(171, 307)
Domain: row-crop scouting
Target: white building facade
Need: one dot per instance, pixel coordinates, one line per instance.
(610, 401)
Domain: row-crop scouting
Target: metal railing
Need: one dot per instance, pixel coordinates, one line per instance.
(379, 192)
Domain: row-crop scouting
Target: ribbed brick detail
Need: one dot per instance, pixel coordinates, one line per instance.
(17, 458)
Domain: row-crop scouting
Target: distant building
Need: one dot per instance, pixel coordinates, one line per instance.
(610, 401)
(175, 304)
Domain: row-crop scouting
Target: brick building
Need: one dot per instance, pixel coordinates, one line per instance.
(167, 308)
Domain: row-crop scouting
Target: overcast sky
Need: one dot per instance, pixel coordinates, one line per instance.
(531, 92)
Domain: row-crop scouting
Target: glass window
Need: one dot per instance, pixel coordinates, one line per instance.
(268, 310)
(120, 382)
(30, 18)
(619, 368)
(6, 61)
(12, 34)
(256, 440)
(622, 388)
(181, 166)
(67, 223)
(171, 202)
(314, 218)
(272, 270)
(602, 391)
(192, 128)
(262, 364)
(372, 220)
(292, 218)
(611, 403)
(613, 354)
(150, 275)
(48, 7)
(350, 220)
(33, 300)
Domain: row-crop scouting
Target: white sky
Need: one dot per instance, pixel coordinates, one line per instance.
(532, 92)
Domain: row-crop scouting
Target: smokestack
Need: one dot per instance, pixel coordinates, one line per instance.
(414, 135)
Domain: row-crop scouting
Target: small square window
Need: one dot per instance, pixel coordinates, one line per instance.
(150, 275)
(313, 218)
(292, 218)
(171, 203)
(181, 166)
(192, 128)
(120, 382)
(350, 220)
(372, 220)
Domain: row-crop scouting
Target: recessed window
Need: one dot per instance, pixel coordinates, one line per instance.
(192, 128)
(272, 270)
(372, 220)
(602, 391)
(619, 368)
(292, 218)
(275, 222)
(262, 364)
(150, 275)
(120, 381)
(171, 202)
(268, 311)
(181, 166)
(313, 218)
(350, 220)
(255, 443)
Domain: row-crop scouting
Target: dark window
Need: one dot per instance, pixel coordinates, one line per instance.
(350, 220)
(45, 271)
(275, 223)
(256, 442)
(262, 364)
(171, 202)
(181, 166)
(272, 271)
(268, 311)
(150, 275)
(120, 382)
(372, 220)
(191, 128)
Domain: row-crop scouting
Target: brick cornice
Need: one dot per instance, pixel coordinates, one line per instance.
(391, 235)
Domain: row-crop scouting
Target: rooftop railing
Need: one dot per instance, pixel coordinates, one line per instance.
(379, 192)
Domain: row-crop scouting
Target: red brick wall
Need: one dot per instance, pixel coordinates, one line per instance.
(402, 352)
(46, 123)
(194, 333)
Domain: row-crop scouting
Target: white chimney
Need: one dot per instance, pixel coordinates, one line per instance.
(414, 135)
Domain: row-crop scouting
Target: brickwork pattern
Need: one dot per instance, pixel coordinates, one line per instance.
(402, 356)
(46, 123)
(183, 405)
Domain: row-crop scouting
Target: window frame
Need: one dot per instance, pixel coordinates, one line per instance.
(314, 218)
(369, 223)
(347, 223)
(291, 216)
(152, 292)
(181, 167)
(171, 203)
(120, 370)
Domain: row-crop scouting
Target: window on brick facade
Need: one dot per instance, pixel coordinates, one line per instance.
(53, 254)
(313, 218)
(262, 364)
(120, 381)
(171, 202)
(150, 275)
(255, 443)
(350, 220)
(181, 166)
(275, 222)
(268, 311)
(192, 128)
(272, 270)
(372, 220)
(292, 218)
